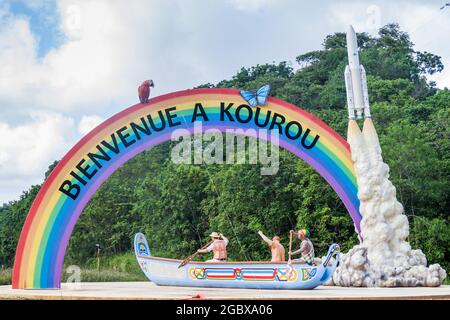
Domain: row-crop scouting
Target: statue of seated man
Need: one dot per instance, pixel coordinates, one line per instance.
(306, 248)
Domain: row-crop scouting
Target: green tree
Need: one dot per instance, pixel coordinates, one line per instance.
(12, 218)
(177, 206)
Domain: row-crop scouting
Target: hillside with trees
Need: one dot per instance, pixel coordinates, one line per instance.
(177, 206)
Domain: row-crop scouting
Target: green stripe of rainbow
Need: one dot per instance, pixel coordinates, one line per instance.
(50, 221)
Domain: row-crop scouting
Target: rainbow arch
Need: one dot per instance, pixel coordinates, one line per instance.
(52, 217)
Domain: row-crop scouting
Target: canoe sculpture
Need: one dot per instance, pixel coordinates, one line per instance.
(249, 275)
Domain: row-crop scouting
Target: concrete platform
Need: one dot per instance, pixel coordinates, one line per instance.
(150, 291)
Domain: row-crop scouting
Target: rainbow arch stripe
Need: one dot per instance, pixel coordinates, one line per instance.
(52, 217)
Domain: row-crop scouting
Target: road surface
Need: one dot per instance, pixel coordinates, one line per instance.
(148, 290)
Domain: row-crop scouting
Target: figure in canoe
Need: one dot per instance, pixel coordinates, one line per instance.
(306, 247)
(218, 246)
(276, 248)
(218, 272)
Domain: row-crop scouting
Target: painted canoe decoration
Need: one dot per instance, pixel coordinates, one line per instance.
(250, 275)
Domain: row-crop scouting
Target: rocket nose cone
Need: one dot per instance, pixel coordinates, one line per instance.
(351, 34)
(352, 43)
(350, 29)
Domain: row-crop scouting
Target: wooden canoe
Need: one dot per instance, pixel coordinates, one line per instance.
(250, 275)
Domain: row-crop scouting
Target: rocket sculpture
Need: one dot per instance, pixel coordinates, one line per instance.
(355, 81)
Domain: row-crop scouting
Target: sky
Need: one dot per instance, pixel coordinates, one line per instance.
(67, 65)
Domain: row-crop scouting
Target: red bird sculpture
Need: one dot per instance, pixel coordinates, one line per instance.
(144, 90)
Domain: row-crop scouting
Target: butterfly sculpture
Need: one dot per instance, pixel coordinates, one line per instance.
(256, 98)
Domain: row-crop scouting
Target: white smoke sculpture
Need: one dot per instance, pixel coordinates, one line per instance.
(384, 258)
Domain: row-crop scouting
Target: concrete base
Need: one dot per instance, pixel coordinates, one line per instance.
(150, 291)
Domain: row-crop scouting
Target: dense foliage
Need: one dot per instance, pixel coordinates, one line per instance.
(177, 206)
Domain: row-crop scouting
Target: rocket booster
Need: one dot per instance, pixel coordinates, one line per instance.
(355, 81)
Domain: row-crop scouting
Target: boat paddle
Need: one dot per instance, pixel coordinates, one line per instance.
(289, 267)
(185, 261)
(290, 246)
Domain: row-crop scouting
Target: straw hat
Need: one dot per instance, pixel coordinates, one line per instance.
(214, 235)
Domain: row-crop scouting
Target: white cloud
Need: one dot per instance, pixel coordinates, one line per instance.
(87, 123)
(251, 5)
(426, 25)
(18, 70)
(111, 46)
(27, 150)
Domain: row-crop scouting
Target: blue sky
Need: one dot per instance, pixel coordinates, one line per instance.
(43, 21)
(65, 65)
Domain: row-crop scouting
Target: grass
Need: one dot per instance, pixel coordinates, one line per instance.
(108, 275)
(124, 263)
(120, 268)
(5, 276)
